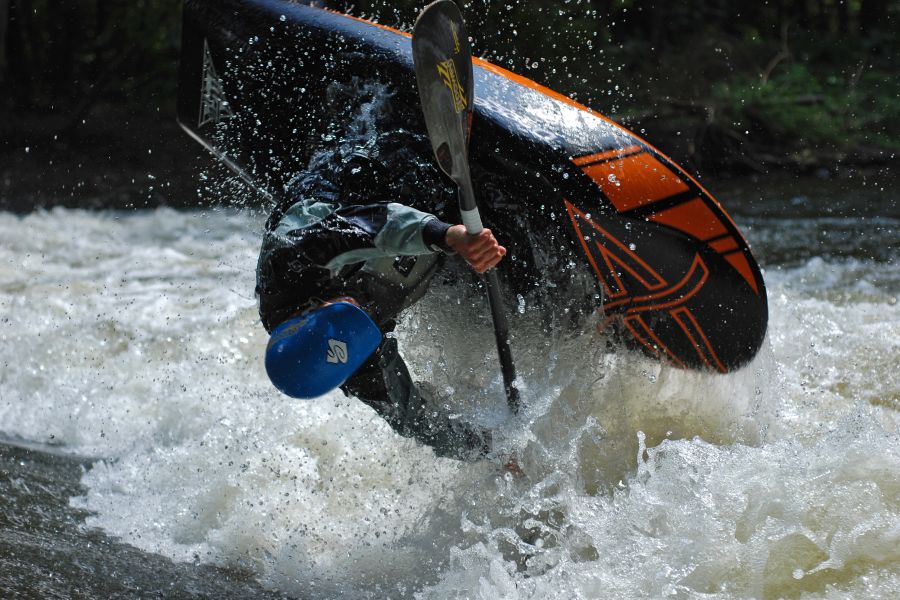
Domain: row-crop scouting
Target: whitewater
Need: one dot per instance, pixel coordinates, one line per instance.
(131, 339)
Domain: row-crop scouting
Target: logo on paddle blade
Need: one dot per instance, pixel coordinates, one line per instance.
(337, 352)
(213, 104)
(447, 71)
(455, 29)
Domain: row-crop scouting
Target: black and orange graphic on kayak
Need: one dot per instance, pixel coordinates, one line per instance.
(660, 315)
(637, 295)
(633, 179)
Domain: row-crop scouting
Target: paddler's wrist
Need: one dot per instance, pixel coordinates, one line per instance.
(434, 234)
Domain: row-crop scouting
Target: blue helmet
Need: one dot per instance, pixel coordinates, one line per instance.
(312, 354)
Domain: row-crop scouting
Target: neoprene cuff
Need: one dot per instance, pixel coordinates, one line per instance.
(434, 234)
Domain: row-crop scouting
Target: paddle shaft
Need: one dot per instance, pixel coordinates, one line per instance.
(472, 220)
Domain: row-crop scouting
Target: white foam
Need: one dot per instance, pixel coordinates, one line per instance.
(134, 337)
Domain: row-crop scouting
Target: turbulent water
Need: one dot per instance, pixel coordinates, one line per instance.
(132, 338)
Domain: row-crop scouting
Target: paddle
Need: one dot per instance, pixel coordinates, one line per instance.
(443, 63)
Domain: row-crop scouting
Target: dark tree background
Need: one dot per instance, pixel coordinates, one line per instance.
(66, 56)
(87, 93)
(87, 87)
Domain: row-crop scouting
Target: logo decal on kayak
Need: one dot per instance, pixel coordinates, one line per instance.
(213, 104)
(655, 311)
(447, 71)
(337, 352)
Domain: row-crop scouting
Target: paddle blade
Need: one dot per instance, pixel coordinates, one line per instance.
(443, 63)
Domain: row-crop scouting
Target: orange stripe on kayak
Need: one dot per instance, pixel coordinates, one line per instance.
(742, 265)
(635, 181)
(611, 258)
(616, 153)
(630, 323)
(693, 218)
(724, 245)
(671, 296)
(704, 351)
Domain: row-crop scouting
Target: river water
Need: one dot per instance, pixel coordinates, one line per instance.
(146, 453)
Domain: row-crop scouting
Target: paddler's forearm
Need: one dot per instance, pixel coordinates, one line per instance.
(333, 237)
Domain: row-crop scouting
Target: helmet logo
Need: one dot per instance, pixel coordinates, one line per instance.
(337, 352)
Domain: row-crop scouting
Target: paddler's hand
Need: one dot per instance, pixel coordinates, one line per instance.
(481, 251)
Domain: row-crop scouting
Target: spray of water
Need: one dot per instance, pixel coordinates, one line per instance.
(131, 337)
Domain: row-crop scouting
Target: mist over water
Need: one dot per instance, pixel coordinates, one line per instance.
(133, 338)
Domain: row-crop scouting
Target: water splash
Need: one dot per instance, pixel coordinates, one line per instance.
(133, 337)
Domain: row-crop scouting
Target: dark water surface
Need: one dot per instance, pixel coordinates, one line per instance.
(46, 551)
(791, 220)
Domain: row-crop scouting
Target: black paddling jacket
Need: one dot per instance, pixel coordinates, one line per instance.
(341, 232)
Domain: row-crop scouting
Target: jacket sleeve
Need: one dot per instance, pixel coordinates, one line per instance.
(324, 235)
